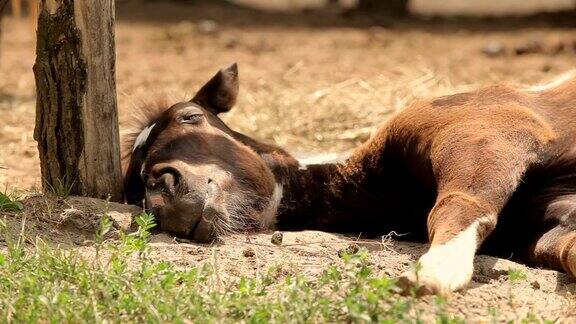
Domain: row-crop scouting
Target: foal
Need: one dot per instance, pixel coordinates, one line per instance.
(492, 169)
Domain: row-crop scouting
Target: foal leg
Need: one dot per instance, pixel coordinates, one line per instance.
(556, 248)
(457, 225)
(475, 179)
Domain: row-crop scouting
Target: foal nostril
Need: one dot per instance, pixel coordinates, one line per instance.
(168, 180)
(210, 180)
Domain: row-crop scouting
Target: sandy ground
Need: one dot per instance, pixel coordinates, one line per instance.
(71, 224)
(311, 82)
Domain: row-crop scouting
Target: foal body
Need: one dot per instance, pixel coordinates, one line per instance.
(454, 170)
(494, 168)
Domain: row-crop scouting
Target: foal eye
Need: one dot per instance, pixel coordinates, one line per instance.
(190, 118)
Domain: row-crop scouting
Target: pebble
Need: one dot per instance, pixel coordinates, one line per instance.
(207, 26)
(350, 249)
(493, 49)
(249, 253)
(529, 47)
(276, 238)
(546, 68)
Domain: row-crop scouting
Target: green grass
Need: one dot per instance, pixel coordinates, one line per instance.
(515, 275)
(9, 203)
(47, 284)
(61, 187)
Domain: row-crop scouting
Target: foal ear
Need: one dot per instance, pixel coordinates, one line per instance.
(219, 94)
(134, 188)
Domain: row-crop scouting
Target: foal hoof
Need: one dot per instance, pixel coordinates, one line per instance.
(418, 286)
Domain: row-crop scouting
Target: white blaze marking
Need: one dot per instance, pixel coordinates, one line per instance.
(269, 213)
(448, 267)
(142, 137)
(142, 168)
(322, 159)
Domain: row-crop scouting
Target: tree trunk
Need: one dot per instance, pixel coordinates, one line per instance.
(76, 114)
(390, 7)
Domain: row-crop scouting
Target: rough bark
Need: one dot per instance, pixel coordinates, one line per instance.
(76, 113)
(2, 6)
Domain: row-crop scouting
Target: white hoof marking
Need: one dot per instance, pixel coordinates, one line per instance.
(448, 267)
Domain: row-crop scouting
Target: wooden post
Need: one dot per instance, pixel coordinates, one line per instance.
(3, 4)
(76, 114)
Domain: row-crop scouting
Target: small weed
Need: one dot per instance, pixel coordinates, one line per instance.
(9, 204)
(62, 187)
(442, 316)
(515, 275)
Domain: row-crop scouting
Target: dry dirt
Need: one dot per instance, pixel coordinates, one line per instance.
(71, 224)
(310, 82)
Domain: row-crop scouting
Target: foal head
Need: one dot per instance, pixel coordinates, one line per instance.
(200, 178)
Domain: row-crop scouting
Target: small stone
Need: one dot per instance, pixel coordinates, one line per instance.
(249, 253)
(231, 43)
(493, 49)
(75, 219)
(558, 48)
(535, 284)
(207, 26)
(497, 274)
(546, 68)
(112, 234)
(529, 47)
(121, 219)
(276, 238)
(350, 249)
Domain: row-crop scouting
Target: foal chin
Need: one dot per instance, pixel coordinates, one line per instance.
(219, 209)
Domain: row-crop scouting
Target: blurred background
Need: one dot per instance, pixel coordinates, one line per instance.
(316, 75)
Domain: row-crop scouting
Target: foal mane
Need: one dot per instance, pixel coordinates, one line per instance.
(140, 117)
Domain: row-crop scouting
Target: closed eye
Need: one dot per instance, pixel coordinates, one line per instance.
(190, 114)
(192, 118)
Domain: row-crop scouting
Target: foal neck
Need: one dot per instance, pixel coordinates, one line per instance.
(319, 197)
